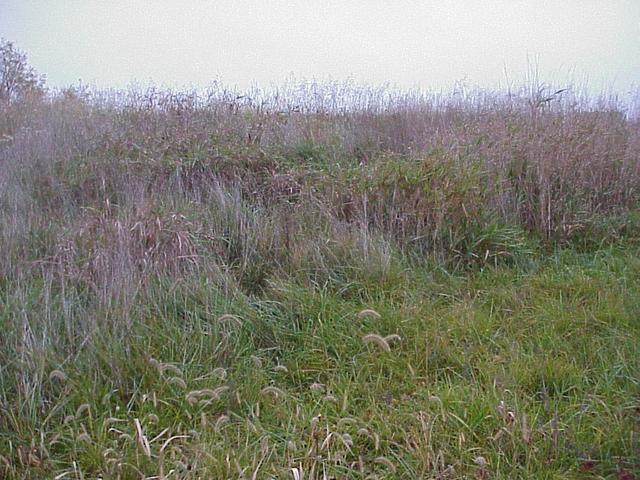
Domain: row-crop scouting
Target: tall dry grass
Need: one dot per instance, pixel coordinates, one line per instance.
(102, 191)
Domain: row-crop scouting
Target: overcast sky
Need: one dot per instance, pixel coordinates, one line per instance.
(428, 44)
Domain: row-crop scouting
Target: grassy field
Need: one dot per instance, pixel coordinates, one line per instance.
(326, 283)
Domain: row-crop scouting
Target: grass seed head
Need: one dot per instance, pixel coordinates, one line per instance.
(480, 461)
(168, 367)
(109, 452)
(346, 421)
(219, 391)
(393, 338)
(153, 418)
(220, 373)
(377, 340)
(386, 462)
(85, 407)
(177, 381)
(368, 313)
(192, 397)
(317, 387)
(141, 438)
(275, 392)
(57, 375)
(526, 431)
(221, 422)
(109, 420)
(315, 421)
(230, 318)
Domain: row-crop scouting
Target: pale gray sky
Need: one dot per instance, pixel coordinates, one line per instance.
(427, 44)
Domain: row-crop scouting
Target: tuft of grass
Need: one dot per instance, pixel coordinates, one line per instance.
(377, 340)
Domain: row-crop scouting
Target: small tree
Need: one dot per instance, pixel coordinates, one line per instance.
(17, 78)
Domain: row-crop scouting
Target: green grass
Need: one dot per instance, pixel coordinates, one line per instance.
(499, 373)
